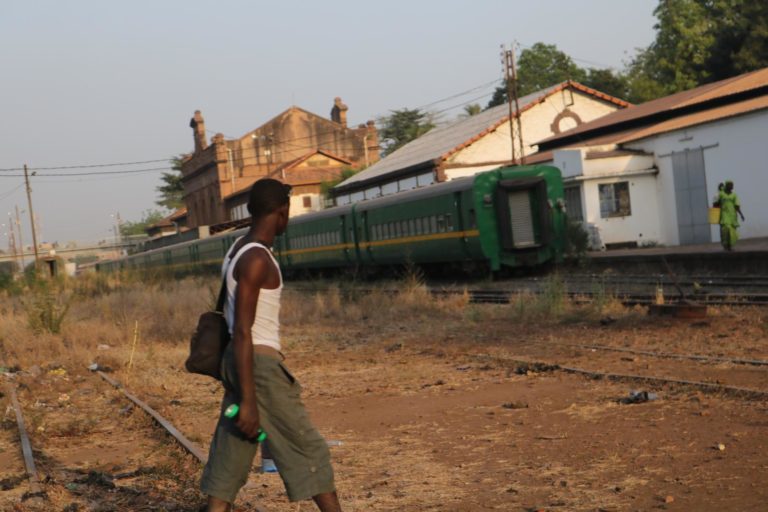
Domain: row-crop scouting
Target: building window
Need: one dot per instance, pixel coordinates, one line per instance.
(307, 201)
(573, 203)
(614, 200)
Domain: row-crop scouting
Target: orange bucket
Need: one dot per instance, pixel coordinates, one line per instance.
(714, 215)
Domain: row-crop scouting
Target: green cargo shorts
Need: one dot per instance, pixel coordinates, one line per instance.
(299, 451)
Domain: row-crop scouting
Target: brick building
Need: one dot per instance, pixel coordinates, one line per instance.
(225, 168)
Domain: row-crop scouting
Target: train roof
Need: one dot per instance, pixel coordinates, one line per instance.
(418, 193)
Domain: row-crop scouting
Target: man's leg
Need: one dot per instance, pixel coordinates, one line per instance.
(327, 502)
(217, 505)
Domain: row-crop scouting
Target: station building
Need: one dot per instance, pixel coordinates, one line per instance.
(294, 142)
(478, 143)
(646, 175)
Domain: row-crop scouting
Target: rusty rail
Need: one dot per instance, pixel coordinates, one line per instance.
(35, 491)
(755, 394)
(667, 355)
(188, 445)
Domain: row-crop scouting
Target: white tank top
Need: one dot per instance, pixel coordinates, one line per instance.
(266, 325)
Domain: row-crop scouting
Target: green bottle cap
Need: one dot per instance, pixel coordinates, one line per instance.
(231, 411)
(261, 436)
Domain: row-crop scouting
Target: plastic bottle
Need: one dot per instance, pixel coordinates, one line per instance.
(231, 412)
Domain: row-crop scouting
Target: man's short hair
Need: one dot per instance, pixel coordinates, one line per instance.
(266, 196)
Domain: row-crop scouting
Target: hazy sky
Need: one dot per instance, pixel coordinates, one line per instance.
(91, 82)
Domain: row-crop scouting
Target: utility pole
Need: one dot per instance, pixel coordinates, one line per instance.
(506, 61)
(517, 105)
(21, 243)
(12, 244)
(31, 215)
(510, 77)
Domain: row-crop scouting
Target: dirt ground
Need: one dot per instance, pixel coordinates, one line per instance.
(434, 412)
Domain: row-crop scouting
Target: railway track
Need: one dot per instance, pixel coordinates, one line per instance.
(77, 472)
(735, 376)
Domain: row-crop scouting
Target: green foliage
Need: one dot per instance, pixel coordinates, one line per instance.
(148, 218)
(607, 81)
(327, 186)
(697, 42)
(401, 127)
(172, 189)
(539, 67)
(472, 110)
(46, 304)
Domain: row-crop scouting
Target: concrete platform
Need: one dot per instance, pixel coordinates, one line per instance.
(749, 258)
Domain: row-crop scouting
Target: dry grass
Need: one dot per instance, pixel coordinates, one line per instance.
(93, 312)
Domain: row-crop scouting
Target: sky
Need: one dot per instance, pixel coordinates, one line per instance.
(95, 82)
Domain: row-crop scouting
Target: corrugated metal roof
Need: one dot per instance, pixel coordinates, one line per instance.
(704, 93)
(444, 140)
(706, 116)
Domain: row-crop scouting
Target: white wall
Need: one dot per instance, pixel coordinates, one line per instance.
(537, 125)
(741, 154)
(641, 226)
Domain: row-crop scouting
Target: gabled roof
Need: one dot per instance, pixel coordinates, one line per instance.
(169, 220)
(333, 124)
(441, 142)
(290, 174)
(623, 125)
(296, 161)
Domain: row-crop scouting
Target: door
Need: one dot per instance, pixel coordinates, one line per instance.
(691, 197)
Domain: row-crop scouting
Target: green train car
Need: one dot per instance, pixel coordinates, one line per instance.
(505, 218)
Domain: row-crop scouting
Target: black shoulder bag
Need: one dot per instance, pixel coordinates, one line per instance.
(209, 340)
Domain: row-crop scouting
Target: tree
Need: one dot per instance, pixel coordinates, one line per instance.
(539, 67)
(472, 110)
(697, 42)
(148, 218)
(172, 190)
(327, 186)
(607, 81)
(402, 126)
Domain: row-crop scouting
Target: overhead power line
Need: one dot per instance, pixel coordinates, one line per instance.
(272, 142)
(91, 173)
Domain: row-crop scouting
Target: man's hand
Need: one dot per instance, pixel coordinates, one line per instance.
(248, 419)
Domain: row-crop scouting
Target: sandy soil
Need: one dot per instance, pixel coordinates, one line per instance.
(435, 415)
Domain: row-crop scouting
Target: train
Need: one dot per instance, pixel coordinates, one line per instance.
(506, 218)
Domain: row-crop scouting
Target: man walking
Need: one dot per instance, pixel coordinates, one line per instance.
(729, 222)
(255, 377)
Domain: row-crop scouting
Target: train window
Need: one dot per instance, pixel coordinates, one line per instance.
(418, 226)
(398, 231)
(432, 224)
(448, 222)
(351, 235)
(377, 232)
(411, 227)
(441, 223)
(386, 231)
(404, 227)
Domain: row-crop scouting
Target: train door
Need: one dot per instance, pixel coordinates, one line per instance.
(523, 214)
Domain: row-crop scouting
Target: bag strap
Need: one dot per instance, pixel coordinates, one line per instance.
(222, 296)
(223, 292)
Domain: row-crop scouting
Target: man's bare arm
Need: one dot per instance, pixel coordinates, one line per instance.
(251, 272)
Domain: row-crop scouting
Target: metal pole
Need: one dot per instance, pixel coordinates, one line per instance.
(21, 243)
(505, 59)
(517, 106)
(31, 215)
